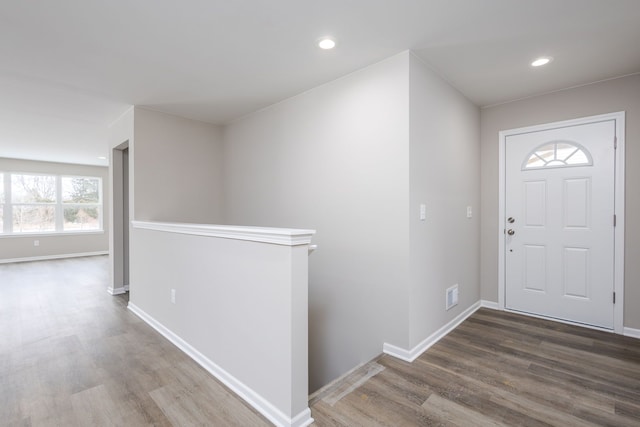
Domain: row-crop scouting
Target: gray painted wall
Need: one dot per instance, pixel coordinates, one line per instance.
(14, 247)
(353, 159)
(445, 171)
(178, 169)
(336, 159)
(621, 94)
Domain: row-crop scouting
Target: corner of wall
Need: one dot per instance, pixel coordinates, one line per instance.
(444, 175)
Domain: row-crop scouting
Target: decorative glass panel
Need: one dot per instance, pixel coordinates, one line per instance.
(558, 154)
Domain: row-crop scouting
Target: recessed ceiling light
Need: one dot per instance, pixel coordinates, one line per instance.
(102, 158)
(326, 43)
(541, 61)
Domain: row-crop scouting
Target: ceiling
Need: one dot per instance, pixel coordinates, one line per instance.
(69, 68)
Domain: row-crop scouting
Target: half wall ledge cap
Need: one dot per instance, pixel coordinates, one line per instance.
(278, 236)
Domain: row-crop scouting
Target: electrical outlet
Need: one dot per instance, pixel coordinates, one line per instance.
(469, 212)
(451, 297)
(36, 243)
(173, 296)
(423, 212)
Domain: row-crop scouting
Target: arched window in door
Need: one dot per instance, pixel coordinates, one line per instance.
(557, 154)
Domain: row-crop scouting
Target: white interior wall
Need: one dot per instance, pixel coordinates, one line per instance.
(175, 175)
(445, 171)
(178, 169)
(335, 159)
(240, 306)
(53, 245)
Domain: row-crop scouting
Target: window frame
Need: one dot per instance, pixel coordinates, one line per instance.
(6, 230)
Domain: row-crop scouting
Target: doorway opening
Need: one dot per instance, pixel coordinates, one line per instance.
(120, 213)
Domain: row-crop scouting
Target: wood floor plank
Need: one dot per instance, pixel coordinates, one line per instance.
(50, 410)
(408, 389)
(374, 406)
(545, 356)
(500, 368)
(95, 407)
(518, 379)
(458, 415)
(571, 362)
(334, 392)
(73, 355)
(629, 410)
(596, 361)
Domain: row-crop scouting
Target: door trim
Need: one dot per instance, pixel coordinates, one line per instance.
(619, 118)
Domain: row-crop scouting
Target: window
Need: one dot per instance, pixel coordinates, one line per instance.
(36, 203)
(33, 203)
(81, 203)
(558, 154)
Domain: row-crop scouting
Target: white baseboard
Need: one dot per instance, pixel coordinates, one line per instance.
(490, 305)
(117, 291)
(272, 413)
(303, 419)
(51, 257)
(411, 355)
(630, 332)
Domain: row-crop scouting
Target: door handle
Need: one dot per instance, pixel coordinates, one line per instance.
(511, 232)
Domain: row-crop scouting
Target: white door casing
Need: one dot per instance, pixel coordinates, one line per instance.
(564, 259)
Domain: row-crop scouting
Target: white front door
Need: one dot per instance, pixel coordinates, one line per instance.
(559, 222)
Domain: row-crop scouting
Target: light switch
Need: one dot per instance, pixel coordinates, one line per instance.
(469, 212)
(423, 212)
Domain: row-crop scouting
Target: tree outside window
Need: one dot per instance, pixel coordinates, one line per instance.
(33, 199)
(81, 203)
(38, 203)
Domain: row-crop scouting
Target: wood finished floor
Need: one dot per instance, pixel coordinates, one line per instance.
(72, 355)
(498, 369)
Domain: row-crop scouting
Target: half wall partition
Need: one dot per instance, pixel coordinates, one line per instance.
(236, 300)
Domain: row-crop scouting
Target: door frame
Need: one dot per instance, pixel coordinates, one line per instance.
(119, 219)
(619, 202)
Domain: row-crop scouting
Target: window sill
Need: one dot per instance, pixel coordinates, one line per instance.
(52, 234)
